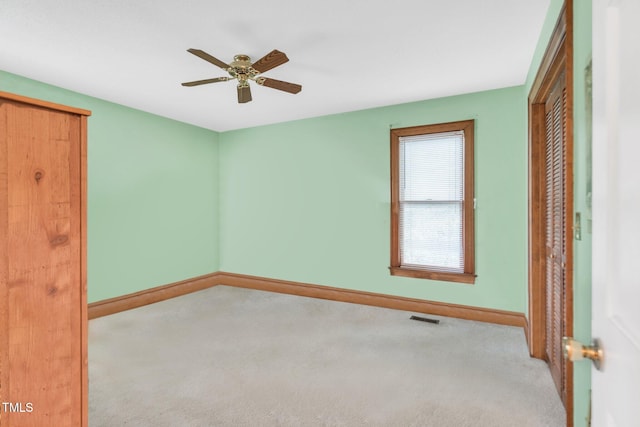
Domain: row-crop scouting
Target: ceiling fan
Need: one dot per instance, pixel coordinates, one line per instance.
(243, 70)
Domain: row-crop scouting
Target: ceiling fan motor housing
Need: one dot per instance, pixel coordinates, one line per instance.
(241, 69)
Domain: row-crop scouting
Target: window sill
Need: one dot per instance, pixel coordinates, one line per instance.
(433, 275)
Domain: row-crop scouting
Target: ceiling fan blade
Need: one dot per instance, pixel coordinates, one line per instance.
(269, 61)
(279, 84)
(244, 94)
(204, 55)
(204, 82)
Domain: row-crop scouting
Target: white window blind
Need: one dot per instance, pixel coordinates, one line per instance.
(431, 201)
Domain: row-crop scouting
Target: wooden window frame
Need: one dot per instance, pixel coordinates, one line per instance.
(396, 268)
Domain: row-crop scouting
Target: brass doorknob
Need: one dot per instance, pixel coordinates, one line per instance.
(574, 350)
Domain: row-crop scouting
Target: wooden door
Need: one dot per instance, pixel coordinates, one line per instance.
(43, 367)
(555, 230)
(551, 206)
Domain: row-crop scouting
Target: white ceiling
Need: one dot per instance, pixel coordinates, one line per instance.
(347, 54)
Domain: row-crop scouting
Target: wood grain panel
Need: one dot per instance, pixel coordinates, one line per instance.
(43, 267)
(43, 209)
(4, 262)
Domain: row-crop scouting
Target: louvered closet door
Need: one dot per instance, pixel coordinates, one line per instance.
(555, 153)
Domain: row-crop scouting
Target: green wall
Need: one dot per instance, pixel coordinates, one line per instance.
(308, 200)
(152, 194)
(582, 170)
(305, 201)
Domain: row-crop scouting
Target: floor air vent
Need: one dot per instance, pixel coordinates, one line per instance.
(425, 319)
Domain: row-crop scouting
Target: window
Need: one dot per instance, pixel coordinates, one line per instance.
(432, 202)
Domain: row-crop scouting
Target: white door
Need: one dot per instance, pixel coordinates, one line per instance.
(616, 211)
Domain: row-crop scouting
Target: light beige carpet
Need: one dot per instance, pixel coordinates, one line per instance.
(235, 357)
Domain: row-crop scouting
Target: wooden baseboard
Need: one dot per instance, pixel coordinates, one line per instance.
(161, 293)
(526, 335)
(150, 296)
(378, 300)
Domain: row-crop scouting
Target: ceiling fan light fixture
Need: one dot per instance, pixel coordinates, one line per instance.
(243, 70)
